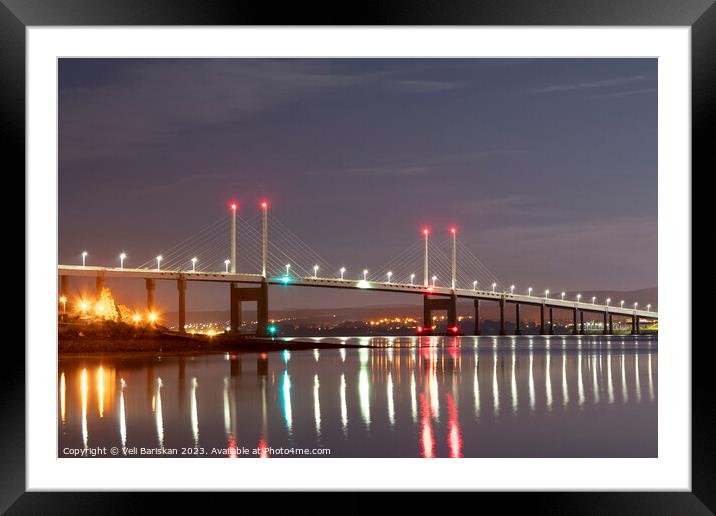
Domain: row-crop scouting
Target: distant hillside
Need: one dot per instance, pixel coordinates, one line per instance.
(488, 310)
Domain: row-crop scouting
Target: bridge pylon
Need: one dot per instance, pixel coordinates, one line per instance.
(259, 295)
(447, 303)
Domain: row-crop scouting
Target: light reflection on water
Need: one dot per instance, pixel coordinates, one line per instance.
(406, 397)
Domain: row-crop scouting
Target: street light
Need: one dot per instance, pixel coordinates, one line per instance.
(412, 278)
(562, 294)
(121, 260)
(609, 300)
(474, 285)
(493, 286)
(512, 289)
(288, 268)
(159, 261)
(594, 298)
(529, 291)
(389, 275)
(63, 300)
(434, 278)
(621, 304)
(226, 264)
(315, 271)
(579, 296)
(193, 264)
(365, 274)
(648, 307)
(343, 271)
(546, 293)
(635, 305)
(84, 257)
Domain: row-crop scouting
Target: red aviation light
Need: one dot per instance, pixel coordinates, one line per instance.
(234, 206)
(264, 204)
(426, 231)
(420, 329)
(453, 230)
(454, 329)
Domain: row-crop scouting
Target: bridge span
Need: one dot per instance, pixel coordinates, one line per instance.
(434, 297)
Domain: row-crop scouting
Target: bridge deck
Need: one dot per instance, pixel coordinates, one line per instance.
(116, 272)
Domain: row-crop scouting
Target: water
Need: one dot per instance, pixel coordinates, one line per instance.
(407, 397)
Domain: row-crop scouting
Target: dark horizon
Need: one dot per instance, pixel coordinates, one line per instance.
(547, 166)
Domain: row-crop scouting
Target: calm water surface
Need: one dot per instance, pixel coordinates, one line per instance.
(406, 397)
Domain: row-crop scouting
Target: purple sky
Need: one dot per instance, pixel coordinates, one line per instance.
(547, 166)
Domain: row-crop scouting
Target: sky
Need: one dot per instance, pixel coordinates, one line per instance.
(547, 167)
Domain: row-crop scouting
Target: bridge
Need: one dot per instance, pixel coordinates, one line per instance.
(289, 265)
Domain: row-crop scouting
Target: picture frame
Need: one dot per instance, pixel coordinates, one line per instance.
(700, 15)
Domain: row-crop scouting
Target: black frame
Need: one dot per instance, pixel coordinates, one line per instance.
(700, 15)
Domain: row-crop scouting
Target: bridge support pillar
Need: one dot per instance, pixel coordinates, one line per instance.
(611, 324)
(259, 295)
(65, 286)
(181, 287)
(605, 323)
(541, 319)
(575, 328)
(581, 322)
(99, 286)
(551, 322)
(151, 284)
(502, 316)
(634, 325)
(517, 319)
(477, 317)
(449, 304)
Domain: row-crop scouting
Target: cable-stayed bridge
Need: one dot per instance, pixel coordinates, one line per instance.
(252, 254)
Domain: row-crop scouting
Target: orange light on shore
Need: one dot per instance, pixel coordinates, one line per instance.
(136, 318)
(152, 317)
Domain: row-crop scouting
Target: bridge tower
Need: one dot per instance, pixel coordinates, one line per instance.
(426, 232)
(446, 303)
(264, 237)
(234, 207)
(454, 257)
(259, 295)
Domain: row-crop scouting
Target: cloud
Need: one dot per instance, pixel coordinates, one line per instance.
(605, 83)
(148, 102)
(422, 86)
(627, 93)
